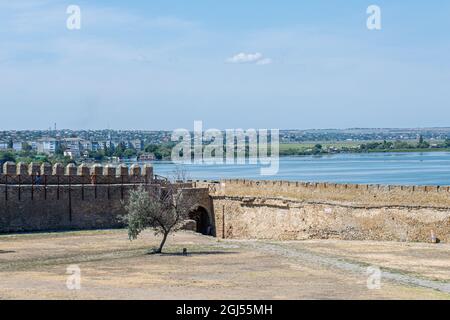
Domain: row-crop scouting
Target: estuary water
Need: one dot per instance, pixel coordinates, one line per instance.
(429, 168)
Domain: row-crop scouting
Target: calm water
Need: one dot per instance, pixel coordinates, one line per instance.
(432, 168)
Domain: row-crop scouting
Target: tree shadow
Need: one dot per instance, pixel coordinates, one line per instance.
(3, 251)
(194, 253)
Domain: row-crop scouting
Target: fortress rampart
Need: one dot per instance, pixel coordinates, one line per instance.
(295, 210)
(45, 174)
(354, 194)
(41, 197)
(45, 198)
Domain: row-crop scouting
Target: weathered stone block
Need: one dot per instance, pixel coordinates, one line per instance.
(97, 170)
(84, 170)
(189, 225)
(148, 172)
(123, 170)
(71, 170)
(135, 170)
(58, 169)
(9, 168)
(34, 168)
(109, 171)
(22, 169)
(46, 169)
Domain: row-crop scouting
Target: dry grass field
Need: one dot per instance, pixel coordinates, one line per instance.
(34, 266)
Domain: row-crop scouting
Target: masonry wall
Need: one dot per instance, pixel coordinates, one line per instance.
(291, 211)
(45, 198)
(61, 208)
(42, 198)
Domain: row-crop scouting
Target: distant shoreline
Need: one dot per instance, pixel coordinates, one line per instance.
(373, 151)
(319, 155)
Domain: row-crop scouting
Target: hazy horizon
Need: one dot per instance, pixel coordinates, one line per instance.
(282, 129)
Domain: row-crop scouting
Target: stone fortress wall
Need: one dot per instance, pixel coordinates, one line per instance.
(23, 174)
(285, 210)
(42, 198)
(52, 198)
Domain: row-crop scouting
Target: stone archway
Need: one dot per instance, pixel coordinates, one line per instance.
(201, 217)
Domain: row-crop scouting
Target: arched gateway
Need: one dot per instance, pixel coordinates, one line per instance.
(201, 217)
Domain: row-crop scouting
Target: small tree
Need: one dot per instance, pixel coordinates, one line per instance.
(164, 211)
(447, 142)
(180, 174)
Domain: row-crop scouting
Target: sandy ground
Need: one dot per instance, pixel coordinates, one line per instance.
(34, 266)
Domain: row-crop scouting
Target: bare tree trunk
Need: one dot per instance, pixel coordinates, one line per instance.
(166, 233)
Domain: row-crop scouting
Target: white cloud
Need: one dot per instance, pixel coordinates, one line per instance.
(264, 61)
(256, 58)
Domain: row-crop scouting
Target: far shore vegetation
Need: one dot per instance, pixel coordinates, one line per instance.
(163, 151)
(316, 148)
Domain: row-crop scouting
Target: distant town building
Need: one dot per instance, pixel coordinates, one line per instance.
(110, 144)
(86, 145)
(71, 154)
(48, 145)
(147, 157)
(97, 146)
(17, 146)
(73, 147)
(34, 145)
(136, 144)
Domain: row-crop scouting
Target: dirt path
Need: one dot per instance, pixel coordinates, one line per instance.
(314, 259)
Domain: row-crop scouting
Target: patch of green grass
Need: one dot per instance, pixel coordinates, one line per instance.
(101, 255)
(55, 234)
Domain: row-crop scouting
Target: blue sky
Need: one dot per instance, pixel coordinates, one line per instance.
(163, 64)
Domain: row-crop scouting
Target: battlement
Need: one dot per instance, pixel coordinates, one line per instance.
(46, 174)
(340, 186)
(354, 194)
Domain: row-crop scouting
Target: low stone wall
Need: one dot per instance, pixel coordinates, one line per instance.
(292, 211)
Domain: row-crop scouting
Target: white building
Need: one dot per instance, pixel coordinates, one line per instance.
(47, 145)
(72, 155)
(17, 146)
(86, 145)
(137, 144)
(73, 147)
(34, 145)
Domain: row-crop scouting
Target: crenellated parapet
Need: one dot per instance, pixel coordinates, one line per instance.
(293, 185)
(365, 195)
(71, 170)
(34, 173)
(46, 169)
(58, 169)
(84, 170)
(46, 197)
